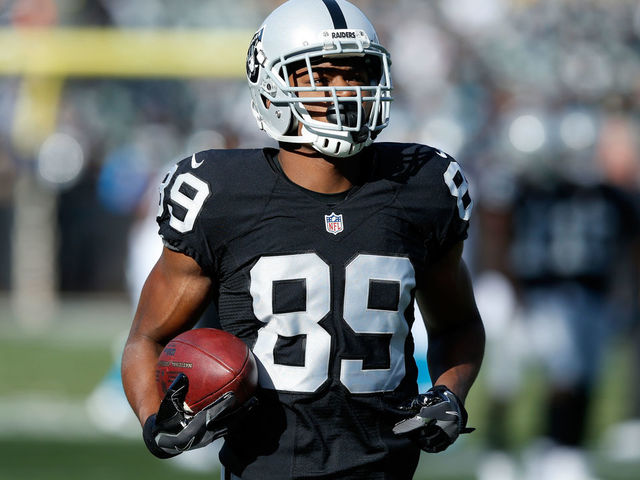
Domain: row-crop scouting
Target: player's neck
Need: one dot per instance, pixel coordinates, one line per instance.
(313, 171)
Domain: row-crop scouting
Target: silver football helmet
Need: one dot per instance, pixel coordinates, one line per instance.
(297, 34)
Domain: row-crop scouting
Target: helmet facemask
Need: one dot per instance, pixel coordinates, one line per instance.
(353, 114)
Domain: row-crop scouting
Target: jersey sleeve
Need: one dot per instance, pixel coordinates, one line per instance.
(457, 206)
(183, 212)
(436, 198)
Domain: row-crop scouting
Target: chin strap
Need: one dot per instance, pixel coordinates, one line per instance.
(335, 144)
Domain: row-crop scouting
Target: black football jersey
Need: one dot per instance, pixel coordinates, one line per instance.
(321, 288)
(563, 231)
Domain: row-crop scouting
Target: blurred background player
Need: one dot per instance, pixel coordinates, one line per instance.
(571, 232)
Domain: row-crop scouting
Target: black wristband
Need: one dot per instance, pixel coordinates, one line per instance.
(150, 441)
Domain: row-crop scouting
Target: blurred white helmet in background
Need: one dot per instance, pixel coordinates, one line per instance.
(300, 32)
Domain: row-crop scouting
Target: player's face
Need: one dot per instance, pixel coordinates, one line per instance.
(346, 72)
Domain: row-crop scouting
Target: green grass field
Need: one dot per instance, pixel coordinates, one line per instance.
(46, 433)
(108, 459)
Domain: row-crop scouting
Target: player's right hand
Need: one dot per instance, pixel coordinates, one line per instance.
(174, 430)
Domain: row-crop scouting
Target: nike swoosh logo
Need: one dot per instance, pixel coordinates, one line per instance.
(195, 164)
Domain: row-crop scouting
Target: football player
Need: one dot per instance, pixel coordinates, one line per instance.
(314, 254)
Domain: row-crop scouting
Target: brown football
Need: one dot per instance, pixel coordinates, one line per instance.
(215, 362)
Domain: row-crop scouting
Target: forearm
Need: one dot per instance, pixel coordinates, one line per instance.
(138, 375)
(455, 355)
(171, 301)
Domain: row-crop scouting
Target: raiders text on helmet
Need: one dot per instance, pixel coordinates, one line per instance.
(299, 32)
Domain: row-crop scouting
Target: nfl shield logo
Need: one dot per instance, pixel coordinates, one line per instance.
(334, 223)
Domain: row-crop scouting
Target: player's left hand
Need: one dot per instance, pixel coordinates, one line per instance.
(439, 418)
(174, 430)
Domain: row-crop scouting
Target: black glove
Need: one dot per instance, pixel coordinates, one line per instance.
(173, 430)
(439, 417)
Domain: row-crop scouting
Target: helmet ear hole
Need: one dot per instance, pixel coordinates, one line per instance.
(280, 117)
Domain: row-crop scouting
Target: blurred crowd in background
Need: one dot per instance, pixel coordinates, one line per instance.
(539, 100)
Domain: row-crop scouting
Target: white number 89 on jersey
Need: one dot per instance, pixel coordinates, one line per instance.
(315, 274)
